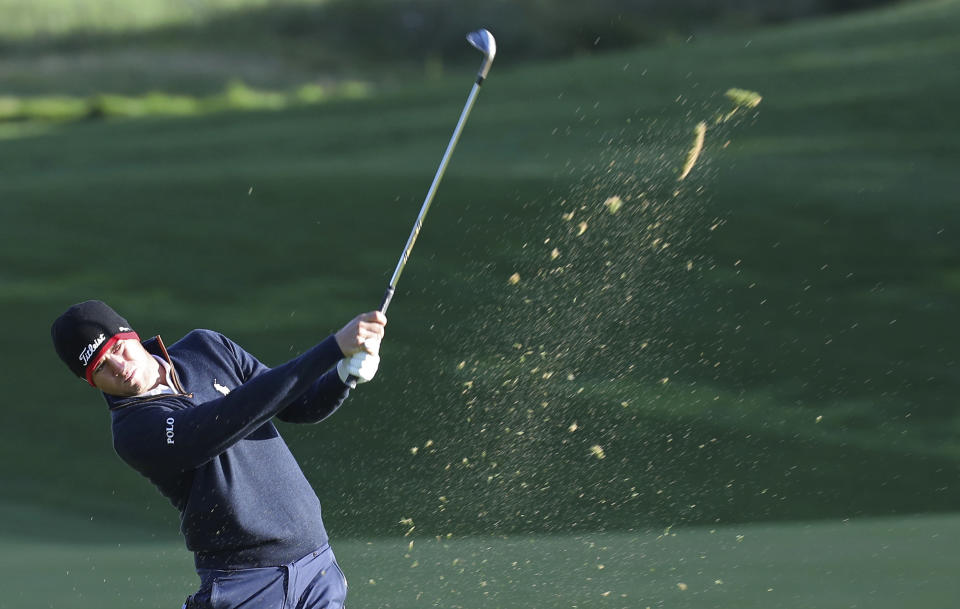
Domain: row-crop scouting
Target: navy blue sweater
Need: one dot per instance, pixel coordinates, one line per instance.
(212, 449)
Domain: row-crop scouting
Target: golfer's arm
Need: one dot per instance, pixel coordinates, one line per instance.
(203, 431)
(319, 402)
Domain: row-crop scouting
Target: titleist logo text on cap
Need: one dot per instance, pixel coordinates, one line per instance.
(87, 353)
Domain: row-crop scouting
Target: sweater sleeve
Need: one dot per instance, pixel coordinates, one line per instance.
(319, 402)
(166, 433)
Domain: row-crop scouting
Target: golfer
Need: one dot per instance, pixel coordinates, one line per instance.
(195, 418)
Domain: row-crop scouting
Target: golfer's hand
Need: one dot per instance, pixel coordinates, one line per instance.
(363, 333)
(361, 365)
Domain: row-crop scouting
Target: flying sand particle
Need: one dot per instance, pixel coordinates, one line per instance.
(613, 204)
(699, 134)
(581, 228)
(597, 451)
(743, 98)
(514, 279)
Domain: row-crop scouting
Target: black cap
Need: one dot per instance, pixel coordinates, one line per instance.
(86, 330)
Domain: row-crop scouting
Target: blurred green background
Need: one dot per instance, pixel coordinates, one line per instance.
(736, 391)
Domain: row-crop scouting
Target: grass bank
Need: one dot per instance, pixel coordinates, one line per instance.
(765, 340)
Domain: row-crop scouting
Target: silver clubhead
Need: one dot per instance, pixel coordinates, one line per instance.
(484, 42)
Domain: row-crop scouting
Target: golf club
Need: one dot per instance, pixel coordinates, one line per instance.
(484, 42)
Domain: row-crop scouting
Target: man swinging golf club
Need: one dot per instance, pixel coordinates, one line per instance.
(196, 420)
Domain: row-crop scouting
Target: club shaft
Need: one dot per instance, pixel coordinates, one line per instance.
(484, 42)
(430, 195)
(391, 288)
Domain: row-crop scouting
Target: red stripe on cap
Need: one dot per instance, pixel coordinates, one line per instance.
(103, 352)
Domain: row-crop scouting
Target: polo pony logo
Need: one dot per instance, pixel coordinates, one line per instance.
(220, 388)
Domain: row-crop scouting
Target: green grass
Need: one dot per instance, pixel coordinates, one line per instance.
(788, 357)
(196, 48)
(24, 19)
(806, 346)
(886, 563)
(236, 96)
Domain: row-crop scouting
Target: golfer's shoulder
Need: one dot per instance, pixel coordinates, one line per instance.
(137, 413)
(202, 339)
(139, 431)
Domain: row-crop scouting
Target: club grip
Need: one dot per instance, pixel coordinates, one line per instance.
(387, 297)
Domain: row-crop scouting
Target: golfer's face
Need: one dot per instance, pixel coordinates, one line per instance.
(125, 369)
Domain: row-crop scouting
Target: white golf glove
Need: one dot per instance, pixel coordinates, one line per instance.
(362, 365)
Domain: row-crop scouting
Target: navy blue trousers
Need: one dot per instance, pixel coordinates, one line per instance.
(312, 582)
